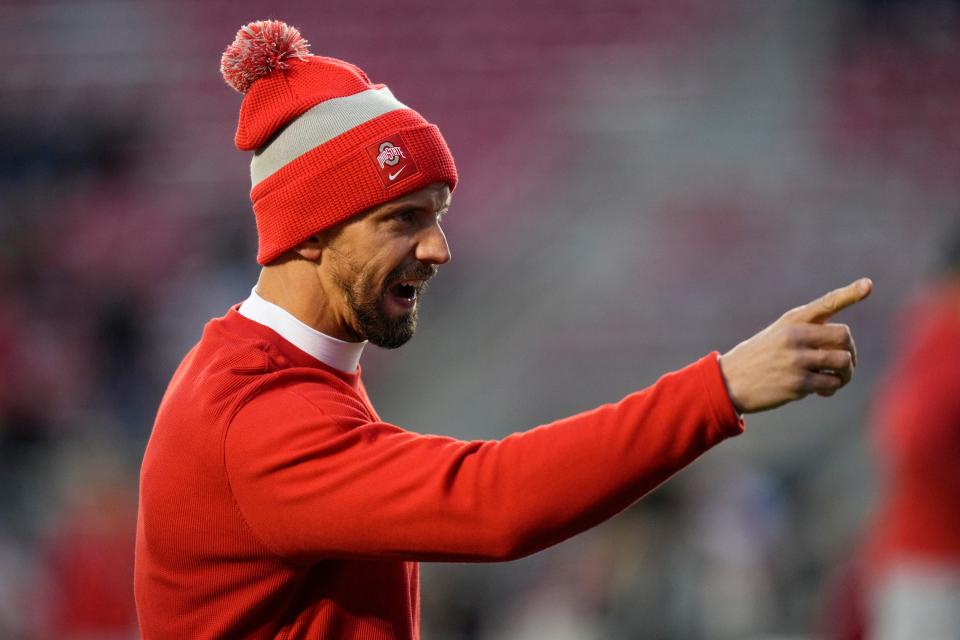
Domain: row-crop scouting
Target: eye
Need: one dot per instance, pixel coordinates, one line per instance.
(406, 216)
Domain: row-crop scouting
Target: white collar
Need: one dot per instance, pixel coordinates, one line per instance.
(339, 354)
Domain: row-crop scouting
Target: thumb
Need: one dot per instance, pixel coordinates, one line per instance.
(821, 309)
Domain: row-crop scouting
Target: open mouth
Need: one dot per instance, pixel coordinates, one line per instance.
(404, 293)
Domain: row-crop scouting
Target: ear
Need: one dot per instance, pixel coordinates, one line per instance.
(310, 249)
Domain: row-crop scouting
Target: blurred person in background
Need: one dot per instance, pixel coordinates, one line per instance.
(274, 502)
(83, 586)
(913, 554)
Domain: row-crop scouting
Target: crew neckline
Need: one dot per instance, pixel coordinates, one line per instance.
(339, 354)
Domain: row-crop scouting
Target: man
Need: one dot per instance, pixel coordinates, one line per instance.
(274, 503)
(912, 552)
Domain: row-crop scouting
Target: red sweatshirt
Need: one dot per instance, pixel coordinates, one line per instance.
(916, 420)
(274, 503)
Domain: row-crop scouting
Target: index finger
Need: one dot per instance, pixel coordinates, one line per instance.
(821, 309)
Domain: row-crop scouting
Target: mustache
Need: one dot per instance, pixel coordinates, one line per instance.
(415, 271)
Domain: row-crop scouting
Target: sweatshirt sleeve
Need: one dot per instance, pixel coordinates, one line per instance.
(314, 478)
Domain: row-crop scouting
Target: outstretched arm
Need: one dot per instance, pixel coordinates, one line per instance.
(314, 477)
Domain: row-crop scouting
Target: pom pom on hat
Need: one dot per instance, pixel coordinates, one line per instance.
(258, 50)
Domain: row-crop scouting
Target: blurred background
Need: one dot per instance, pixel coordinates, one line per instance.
(642, 181)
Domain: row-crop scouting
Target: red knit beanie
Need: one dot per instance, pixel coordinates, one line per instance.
(327, 142)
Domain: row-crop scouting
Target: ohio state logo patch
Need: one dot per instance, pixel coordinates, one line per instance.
(393, 160)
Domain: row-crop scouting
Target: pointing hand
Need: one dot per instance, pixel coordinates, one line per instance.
(799, 354)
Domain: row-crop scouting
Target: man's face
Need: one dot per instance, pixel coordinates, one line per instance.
(380, 261)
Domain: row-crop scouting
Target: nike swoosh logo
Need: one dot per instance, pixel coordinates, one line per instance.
(393, 176)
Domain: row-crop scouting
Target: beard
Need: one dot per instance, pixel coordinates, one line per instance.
(367, 300)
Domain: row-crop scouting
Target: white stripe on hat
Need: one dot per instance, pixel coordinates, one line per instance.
(320, 124)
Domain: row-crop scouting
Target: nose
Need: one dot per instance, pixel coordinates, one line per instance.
(432, 247)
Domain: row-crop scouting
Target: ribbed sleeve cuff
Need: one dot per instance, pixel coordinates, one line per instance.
(728, 422)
